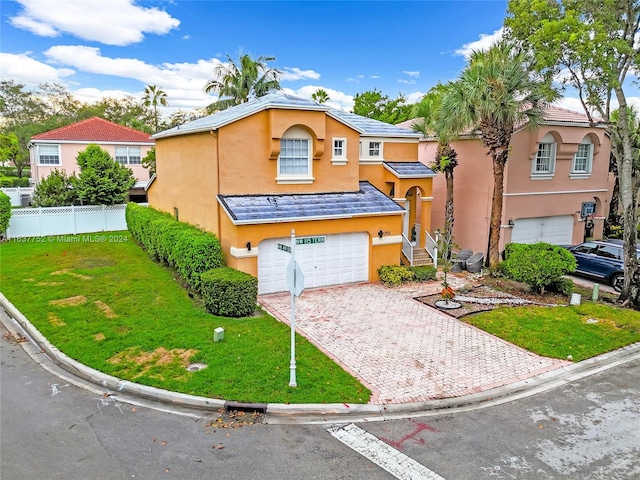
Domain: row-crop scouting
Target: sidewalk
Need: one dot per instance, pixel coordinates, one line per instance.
(50, 358)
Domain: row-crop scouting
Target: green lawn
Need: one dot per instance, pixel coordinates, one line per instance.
(103, 302)
(580, 331)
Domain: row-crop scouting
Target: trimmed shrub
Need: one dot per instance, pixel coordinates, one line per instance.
(394, 275)
(228, 292)
(20, 182)
(423, 273)
(563, 286)
(5, 211)
(185, 248)
(539, 265)
(6, 182)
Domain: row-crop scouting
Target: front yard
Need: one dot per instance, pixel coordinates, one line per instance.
(103, 302)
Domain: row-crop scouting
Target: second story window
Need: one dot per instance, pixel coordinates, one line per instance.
(295, 159)
(339, 154)
(583, 159)
(374, 149)
(48, 154)
(294, 156)
(128, 155)
(545, 161)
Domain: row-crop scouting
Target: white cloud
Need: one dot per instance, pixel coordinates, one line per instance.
(113, 22)
(411, 74)
(290, 74)
(414, 97)
(337, 99)
(26, 70)
(406, 82)
(483, 43)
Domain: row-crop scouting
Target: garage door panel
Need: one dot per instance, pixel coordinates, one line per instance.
(557, 230)
(342, 258)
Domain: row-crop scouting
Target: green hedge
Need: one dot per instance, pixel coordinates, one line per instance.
(185, 248)
(6, 182)
(228, 292)
(424, 273)
(5, 211)
(539, 265)
(394, 275)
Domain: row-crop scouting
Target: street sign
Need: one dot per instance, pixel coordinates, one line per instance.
(310, 240)
(284, 248)
(295, 278)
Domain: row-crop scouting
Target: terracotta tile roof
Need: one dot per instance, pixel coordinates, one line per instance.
(95, 129)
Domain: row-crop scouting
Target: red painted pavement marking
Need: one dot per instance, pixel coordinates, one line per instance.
(411, 436)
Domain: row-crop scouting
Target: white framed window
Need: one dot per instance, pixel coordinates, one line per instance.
(294, 161)
(48, 155)
(128, 155)
(544, 163)
(371, 150)
(339, 152)
(583, 160)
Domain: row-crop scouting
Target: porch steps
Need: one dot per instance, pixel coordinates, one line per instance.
(420, 257)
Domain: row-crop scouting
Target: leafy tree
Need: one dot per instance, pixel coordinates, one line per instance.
(19, 106)
(9, 148)
(373, 104)
(149, 161)
(430, 121)
(181, 116)
(591, 47)
(238, 83)
(320, 96)
(152, 97)
(102, 180)
(56, 190)
(493, 94)
(5, 212)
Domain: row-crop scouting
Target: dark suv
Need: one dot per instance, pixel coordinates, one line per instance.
(601, 259)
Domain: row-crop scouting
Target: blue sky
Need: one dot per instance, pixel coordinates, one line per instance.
(114, 48)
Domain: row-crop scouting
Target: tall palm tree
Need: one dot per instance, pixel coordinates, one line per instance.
(240, 82)
(154, 96)
(492, 95)
(430, 122)
(320, 96)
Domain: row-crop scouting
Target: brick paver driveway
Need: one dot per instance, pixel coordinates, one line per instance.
(401, 349)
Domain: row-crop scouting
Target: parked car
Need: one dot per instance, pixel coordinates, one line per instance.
(601, 259)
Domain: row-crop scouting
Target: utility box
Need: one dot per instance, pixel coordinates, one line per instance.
(218, 334)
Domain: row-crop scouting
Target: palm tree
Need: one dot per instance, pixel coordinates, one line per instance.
(240, 82)
(430, 122)
(494, 94)
(152, 97)
(320, 96)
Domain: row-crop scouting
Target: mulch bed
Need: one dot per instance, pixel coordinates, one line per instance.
(498, 290)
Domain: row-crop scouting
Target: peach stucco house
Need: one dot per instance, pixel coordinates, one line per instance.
(346, 184)
(59, 148)
(555, 184)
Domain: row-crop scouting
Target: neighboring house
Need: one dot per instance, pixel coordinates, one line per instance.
(348, 185)
(59, 149)
(556, 185)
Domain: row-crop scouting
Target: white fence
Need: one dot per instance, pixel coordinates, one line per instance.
(16, 193)
(46, 221)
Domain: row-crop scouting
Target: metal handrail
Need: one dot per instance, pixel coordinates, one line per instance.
(432, 248)
(407, 249)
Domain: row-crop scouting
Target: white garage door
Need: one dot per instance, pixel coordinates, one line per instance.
(555, 230)
(325, 260)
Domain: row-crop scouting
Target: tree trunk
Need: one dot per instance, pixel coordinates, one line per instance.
(630, 290)
(499, 161)
(448, 212)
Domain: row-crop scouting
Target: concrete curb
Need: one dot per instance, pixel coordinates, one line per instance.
(278, 413)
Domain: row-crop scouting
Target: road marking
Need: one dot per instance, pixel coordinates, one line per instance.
(393, 461)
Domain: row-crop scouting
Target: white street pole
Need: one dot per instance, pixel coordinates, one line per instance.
(292, 366)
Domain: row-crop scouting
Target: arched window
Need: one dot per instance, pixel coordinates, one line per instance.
(544, 164)
(583, 159)
(294, 161)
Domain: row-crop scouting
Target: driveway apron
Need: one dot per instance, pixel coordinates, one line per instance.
(401, 349)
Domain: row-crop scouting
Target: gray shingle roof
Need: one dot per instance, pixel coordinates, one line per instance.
(363, 125)
(371, 127)
(409, 169)
(252, 209)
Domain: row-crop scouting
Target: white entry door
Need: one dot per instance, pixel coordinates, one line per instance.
(325, 260)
